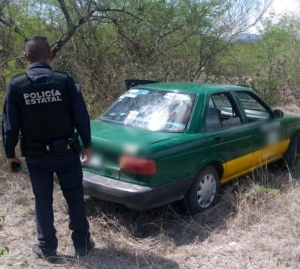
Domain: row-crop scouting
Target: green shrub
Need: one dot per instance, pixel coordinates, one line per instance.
(3, 249)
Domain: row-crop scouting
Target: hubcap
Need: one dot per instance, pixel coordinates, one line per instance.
(206, 191)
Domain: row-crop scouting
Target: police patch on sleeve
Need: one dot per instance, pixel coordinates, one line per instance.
(77, 87)
(42, 97)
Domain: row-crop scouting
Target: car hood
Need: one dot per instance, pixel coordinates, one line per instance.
(115, 137)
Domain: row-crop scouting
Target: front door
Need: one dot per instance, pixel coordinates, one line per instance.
(269, 132)
(228, 135)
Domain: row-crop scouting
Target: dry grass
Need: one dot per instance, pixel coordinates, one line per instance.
(255, 225)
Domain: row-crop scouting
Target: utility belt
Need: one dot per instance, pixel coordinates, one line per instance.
(58, 147)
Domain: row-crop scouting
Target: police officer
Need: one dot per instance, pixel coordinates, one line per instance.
(47, 107)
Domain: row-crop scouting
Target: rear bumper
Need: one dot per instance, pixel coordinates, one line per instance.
(132, 195)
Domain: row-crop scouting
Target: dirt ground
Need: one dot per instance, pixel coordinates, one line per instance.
(255, 225)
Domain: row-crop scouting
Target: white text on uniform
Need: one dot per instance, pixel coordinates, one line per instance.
(42, 97)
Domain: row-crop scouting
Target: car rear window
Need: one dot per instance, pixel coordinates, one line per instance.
(155, 110)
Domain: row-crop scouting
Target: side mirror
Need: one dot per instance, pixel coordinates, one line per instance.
(277, 113)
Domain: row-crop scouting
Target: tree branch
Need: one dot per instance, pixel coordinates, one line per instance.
(66, 13)
(59, 43)
(9, 59)
(90, 16)
(3, 20)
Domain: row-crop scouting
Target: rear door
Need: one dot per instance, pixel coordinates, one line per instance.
(228, 135)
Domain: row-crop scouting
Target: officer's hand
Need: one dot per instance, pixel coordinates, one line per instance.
(86, 155)
(9, 161)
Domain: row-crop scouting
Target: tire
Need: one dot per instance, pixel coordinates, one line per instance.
(204, 192)
(290, 156)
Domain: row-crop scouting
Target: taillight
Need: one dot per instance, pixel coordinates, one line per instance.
(137, 165)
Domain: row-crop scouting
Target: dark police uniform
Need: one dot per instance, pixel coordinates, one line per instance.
(47, 106)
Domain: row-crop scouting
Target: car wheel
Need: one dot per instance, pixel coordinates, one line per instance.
(203, 193)
(290, 156)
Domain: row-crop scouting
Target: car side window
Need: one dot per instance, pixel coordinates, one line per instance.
(253, 108)
(212, 118)
(221, 113)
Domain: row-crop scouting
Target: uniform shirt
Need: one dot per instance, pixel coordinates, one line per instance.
(42, 72)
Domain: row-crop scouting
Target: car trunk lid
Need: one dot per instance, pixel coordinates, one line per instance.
(110, 141)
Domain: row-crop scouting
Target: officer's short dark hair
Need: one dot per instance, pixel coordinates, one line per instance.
(36, 47)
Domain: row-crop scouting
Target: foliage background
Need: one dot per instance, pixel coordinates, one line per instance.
(102, 43)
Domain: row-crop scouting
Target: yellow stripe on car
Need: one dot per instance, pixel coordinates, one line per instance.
(257, 159)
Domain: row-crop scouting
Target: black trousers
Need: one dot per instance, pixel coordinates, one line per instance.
(69, 171)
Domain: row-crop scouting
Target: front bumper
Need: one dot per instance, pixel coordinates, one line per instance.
(132, 195)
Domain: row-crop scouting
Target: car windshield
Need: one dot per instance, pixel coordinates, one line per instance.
(154, 110)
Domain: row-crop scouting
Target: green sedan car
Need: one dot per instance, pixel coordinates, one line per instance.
(163, 142)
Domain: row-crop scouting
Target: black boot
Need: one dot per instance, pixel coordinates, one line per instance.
(52, 258)
(80, 252)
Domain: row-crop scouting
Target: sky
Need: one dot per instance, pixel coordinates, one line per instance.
(279, 7)
(282, 6)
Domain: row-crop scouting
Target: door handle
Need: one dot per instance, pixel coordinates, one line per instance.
(219, 140)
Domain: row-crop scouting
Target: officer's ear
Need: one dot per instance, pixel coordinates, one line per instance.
(50, 57)
(26, 57)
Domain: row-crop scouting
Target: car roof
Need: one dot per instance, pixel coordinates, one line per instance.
(193, 87)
